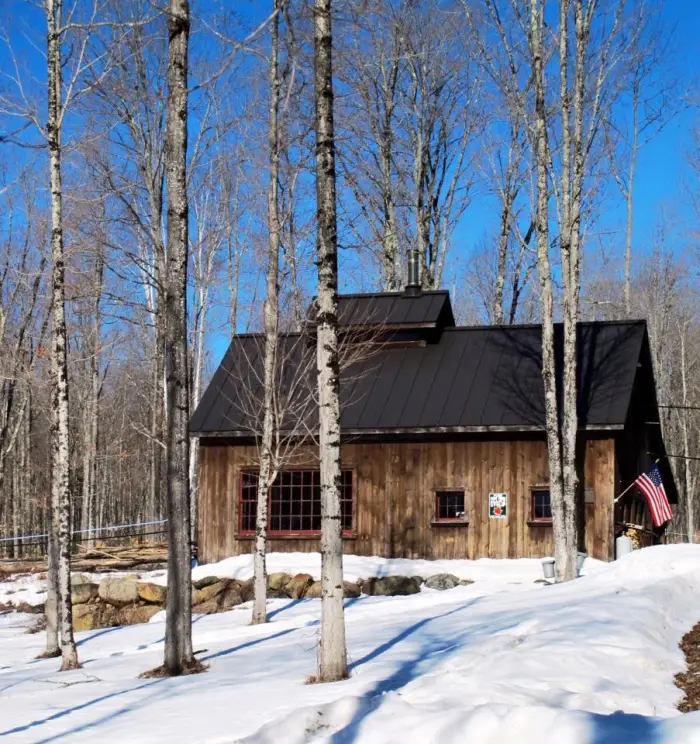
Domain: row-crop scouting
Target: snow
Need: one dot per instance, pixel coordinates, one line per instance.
(362, 567)
(25, 588)
(28, 588)
(501, 661)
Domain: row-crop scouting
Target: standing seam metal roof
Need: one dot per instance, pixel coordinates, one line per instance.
(472, 377)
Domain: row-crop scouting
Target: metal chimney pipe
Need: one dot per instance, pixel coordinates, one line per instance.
(413, 284)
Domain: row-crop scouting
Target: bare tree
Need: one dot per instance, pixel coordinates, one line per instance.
(563, 528)
(653, 99)
(508, 151)
(372, 65)
(271, 318)
(440, 99)
(690, 476)
(564, 129)
(134, 179)
(178, 658)
(332, 655)
(91, 412)
(60, 447)
(60, 97)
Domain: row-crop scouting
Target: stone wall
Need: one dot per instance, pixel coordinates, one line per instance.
(124, 600)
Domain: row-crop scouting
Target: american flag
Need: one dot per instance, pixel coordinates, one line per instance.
(651, 485)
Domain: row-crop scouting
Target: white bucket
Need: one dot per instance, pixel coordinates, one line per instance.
(548, 568)
(623, 546)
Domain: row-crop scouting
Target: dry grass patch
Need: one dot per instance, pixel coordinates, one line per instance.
(689, 681)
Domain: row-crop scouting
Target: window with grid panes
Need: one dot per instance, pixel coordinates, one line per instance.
(541, 505)
(294, 502)
(449, 506)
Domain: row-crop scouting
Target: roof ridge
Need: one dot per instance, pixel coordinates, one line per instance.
(522, 326)
(398, 294)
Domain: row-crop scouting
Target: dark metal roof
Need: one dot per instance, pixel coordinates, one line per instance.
(392, 309)
(473, 379)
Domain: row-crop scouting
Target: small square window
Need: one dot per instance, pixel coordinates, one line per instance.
(449, 506)
(541, 505)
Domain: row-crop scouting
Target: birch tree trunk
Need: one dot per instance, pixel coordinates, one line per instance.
(52, 592)
(332, 655)
(19, 494)
(92, 423)
(554, 448)
(497, 311)
(199, 334)
(688, 479)
(60, 449)
(158, 410)
(271, 317)
(566, 541)
(26, 462)
(179, 658)
(629, 198)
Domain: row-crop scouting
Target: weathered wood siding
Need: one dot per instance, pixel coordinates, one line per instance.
(395, 487)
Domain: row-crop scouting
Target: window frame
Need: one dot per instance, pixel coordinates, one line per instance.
(534, 520)
(437, 520)
(277, 534)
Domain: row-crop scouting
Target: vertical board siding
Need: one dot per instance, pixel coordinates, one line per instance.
(395, 487)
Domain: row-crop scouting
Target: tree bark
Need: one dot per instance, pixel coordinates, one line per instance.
(158, 409)
(688, 480)
(332, 656)
(199, 334)
(629, 198)
(52, 592)
(271, 319)
(92, 421)
(60, 448)
(178, 658)
(549, 379)
(502, 257)
(390, 246)
(566, 540)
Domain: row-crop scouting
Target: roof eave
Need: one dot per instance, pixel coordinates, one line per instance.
(415, 430)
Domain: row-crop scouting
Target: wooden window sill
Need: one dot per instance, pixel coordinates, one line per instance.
(539, 523)
(449, 523)
(308, 536)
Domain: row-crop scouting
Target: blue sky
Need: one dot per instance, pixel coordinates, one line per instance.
(663, 164)
(663, 172)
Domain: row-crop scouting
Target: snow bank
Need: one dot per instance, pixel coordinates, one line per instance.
(502, 661)
(362, 567)
(28, 588)
(399, 721)
(563, 673)
(31, 589)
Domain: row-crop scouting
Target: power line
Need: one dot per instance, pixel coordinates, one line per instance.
(103, 538)
(86, 531)
(678, 457)
(681, 408)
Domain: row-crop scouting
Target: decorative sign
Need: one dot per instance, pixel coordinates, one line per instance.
(498, 505)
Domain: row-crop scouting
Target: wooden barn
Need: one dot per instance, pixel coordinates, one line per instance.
(444, 452)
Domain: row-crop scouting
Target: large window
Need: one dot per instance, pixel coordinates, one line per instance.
(294, 502)
(541, 505)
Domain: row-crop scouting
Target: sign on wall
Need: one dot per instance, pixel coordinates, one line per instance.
(498, 505)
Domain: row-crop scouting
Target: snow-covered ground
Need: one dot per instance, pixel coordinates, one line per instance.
(28, 589)
(502, 661)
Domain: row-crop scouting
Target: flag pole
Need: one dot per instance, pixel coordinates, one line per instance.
(631, 485)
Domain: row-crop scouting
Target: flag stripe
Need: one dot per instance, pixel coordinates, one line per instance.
(652, 487)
